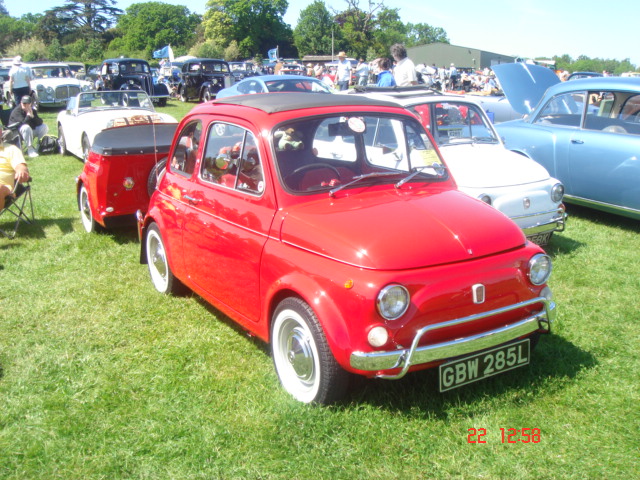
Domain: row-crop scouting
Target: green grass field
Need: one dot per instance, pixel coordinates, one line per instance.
(101, 377)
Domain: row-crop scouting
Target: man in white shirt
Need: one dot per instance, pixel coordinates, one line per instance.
(343, 74)
(404, 71)
(19, 79)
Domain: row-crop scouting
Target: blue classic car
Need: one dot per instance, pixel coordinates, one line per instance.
(275, 83)
(586, 133)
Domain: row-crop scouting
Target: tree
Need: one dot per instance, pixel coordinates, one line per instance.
(421, 34)
(313, 33)
(357, 26)
(13, 31)
(88, 17)
(256, 25)
(388, 30)
(3, 9)
(152, 25)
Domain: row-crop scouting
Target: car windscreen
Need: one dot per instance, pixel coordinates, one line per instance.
(214, 67)
(324, 153)
(456, 122)
(297, 85)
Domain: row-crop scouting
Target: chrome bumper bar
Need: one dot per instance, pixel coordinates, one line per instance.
(556, 224)
(405, 358)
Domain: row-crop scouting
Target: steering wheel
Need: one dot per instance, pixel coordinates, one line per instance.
(312, 166)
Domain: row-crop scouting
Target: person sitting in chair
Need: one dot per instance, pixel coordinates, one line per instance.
(30, 123)
(13, 168)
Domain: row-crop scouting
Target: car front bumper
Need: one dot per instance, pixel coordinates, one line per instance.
(555, 224)
(403, 359)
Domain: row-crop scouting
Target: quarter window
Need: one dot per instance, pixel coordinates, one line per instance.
(232, 160)
(186, 151)
(564, 110)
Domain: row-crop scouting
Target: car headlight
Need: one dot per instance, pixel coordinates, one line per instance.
(485, 198)
(393, 301)
(378, 336)
(557, 193)
(49, 90)
(539, 269)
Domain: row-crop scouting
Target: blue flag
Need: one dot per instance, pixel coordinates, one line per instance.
(162, 53)
(273, 54)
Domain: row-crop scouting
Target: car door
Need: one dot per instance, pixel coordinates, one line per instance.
(603, 160)
(227, 219)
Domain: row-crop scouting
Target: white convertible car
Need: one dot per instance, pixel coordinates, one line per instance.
(481, 165)
(89, 113)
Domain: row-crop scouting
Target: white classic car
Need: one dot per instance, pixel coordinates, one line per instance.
(89, 113)
(53, 83)
(481, 165)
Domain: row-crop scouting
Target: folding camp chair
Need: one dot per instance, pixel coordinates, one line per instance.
(19, 207)
(11, 133)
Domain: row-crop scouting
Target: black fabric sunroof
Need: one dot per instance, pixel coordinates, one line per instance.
(282, 102)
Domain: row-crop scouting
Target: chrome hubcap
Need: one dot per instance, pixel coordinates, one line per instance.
(300, 355)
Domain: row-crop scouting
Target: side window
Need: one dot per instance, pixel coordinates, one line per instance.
(232, 160)
(565, 109)
(186, 151)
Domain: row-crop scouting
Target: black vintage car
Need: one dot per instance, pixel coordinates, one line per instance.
(132, 74)
(203, 78)
(241, 70)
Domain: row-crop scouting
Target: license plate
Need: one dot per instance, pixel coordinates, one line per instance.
(470, 369)
(540, 239)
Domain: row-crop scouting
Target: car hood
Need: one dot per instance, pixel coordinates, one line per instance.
(54, 82)
(486, 166)
(524, 84)
(398, 229)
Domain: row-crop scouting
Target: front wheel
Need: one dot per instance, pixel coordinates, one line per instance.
(62, 145)
(161, 275)
(86, 147)
(303, 361)
(206, 96)
(88, 222)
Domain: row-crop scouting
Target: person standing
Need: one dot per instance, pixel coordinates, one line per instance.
(385, 77)
(30, 123)
(362, 72)
(343, 74)
(19, 80)
(405, 70)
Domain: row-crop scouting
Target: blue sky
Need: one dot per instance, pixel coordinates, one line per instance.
(528, 28)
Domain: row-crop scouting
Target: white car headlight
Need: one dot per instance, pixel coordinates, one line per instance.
(393, 301)
(557, 193)
(539, 269)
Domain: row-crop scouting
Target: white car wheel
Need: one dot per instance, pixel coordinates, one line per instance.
(302, 358)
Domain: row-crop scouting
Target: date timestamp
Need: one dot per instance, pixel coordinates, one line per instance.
(507, 435)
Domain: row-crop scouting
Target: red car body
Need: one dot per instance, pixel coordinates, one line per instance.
(116, 178)
(331, 243)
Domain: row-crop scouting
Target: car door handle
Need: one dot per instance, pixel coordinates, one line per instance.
(577, 142)
(191, 200)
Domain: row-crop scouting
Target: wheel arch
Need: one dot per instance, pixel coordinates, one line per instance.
(318, 298)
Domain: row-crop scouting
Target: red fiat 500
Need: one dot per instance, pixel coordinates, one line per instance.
(330, 227)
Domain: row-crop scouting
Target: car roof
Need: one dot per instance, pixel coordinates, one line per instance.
(271, 78)
(410, 95)
(124, 59)
(282, 102)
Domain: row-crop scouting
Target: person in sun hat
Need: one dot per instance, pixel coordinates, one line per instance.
(343, 74)
(30, 123)
(19, 79)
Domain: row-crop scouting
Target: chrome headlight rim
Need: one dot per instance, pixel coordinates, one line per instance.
(557, 193)
(539, 269)
(486, 198)
(385, 304)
